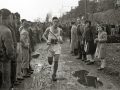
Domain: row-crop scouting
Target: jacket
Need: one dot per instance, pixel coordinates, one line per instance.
(24, 39)
(101, 45)
(6, 43)
(89, 34)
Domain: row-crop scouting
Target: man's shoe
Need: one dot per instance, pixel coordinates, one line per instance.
(16, 83)
(100, 69)
(74, 55)
(79, 58)
(86, 60)
(83, 59)
(54, 78)
(90, 63)
(31, 70)
(20, 79)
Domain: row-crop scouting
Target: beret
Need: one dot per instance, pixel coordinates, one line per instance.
(26, 24)
(23, 20)
(17, 14)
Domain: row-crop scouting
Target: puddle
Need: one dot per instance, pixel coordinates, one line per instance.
(86, 80)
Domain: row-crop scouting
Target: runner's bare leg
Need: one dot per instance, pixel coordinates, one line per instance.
(56, 58)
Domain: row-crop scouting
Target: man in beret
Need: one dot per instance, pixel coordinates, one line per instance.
(17, 16)
(6, 47)
(22, 23)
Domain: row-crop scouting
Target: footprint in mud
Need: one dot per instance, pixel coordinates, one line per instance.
(86, 80)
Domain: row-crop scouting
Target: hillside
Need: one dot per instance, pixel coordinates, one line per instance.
(110, 16)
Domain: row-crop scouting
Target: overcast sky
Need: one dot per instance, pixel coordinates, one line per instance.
(31, 9)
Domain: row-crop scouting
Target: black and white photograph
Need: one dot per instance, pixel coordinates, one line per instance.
(59, 44)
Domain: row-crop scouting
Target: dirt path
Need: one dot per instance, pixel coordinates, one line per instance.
(72, 74)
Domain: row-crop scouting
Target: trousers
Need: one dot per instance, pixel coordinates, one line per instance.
(6, 75)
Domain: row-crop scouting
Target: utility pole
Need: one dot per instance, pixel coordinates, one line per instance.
(85, 9)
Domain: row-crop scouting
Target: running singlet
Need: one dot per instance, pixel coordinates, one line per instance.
(56, 48)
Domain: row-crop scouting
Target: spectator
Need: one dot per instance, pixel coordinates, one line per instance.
(112, 29)
(13, 29)
(34, 34)
(107, 28)
(117, 4)
(69, 26)
(117, 29)
(40, 30)
(82, 28)
(7, 48)
(74, 39)
(79, 35)
(19, 50)
(89, 36)
(22, 23)
(31, 36)
(101, 46)
(25, 43)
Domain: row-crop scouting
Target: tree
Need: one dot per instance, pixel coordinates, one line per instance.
(38, 19)
(48, 17)
(93, 6)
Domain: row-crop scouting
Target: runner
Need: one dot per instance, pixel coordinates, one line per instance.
(53, 37)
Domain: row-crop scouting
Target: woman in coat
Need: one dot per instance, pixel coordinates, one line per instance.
(101, 46)
(24, 39)
(74, 41)
(88, 38)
